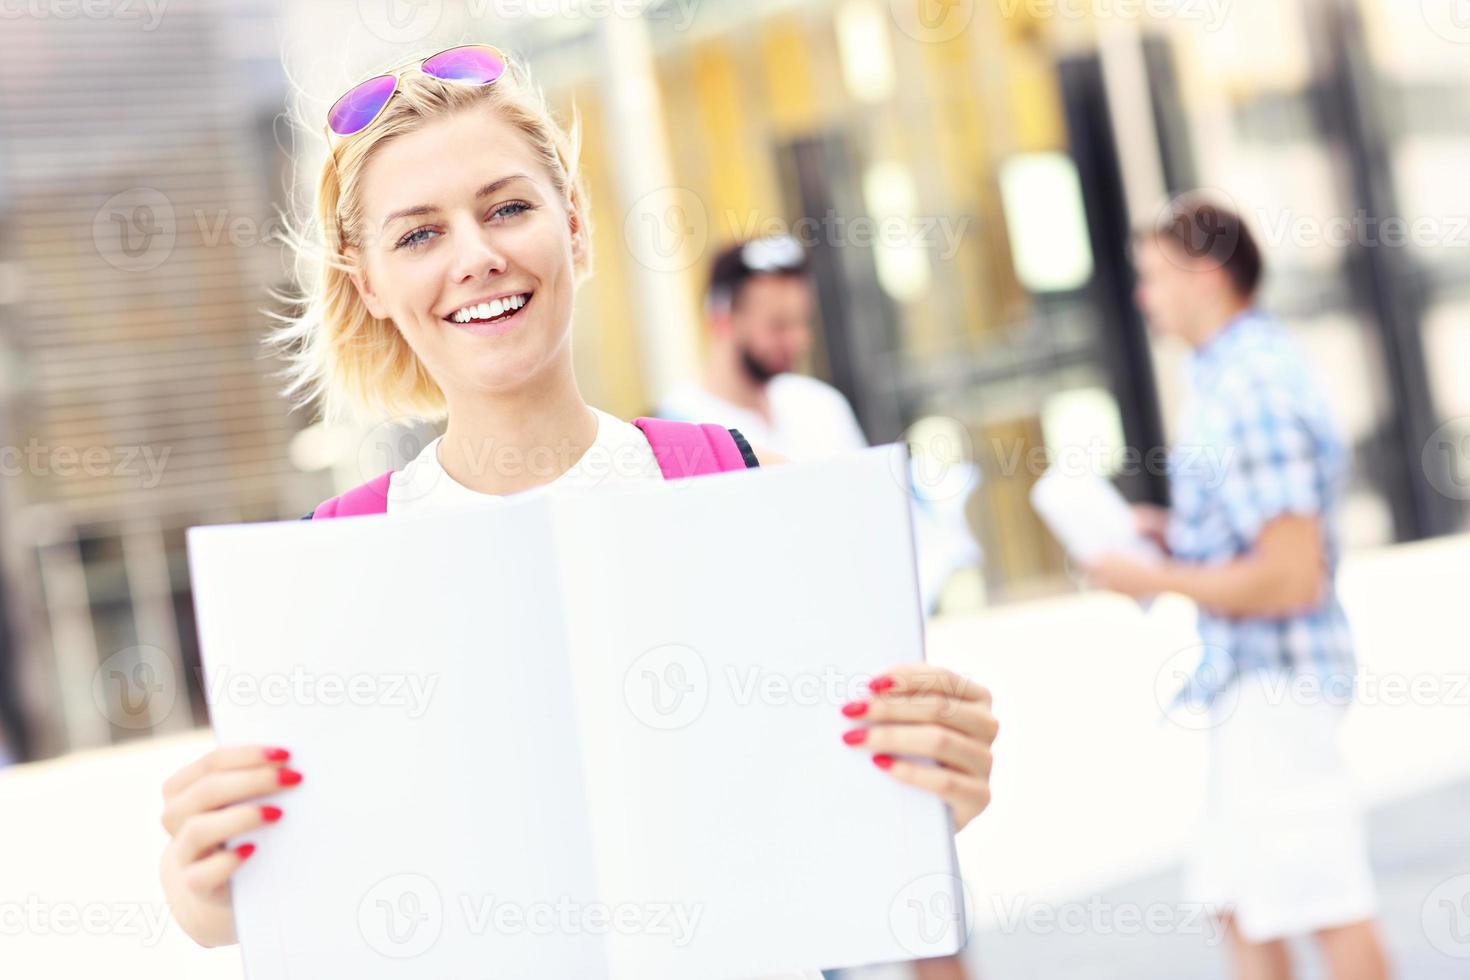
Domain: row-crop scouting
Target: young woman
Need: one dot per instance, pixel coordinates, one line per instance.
(456, 230)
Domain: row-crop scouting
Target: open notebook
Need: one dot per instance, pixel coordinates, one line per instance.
(589, 735)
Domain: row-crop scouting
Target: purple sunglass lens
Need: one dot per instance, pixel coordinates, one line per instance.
(477, 65)
(361, 105)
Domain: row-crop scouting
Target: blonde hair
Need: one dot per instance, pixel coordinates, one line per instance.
(341, 357)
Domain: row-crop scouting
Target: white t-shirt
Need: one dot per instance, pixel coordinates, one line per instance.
(620, 454)
(810, 419)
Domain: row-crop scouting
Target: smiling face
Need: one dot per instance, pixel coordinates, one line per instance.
(470, 251)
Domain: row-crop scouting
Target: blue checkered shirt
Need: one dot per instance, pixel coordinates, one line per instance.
(1257, 442)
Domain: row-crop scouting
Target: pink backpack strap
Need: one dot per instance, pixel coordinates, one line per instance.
(694, 449)
(682, 449)
(369, 498)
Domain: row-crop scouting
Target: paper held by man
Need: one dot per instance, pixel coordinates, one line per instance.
(590, 735)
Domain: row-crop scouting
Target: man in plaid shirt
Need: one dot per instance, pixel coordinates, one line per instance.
(1255, 477)
(1282, 458)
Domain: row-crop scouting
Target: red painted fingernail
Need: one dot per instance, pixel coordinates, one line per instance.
(855, 709)
(882, 761)
(244, 851)
(277, 755)
(288, 777)
(880, 684)
(855, 737)
(270, 814)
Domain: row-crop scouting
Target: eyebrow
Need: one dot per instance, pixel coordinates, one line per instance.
(485, 191)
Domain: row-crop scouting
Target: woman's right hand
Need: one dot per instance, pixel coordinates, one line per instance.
(203, 806)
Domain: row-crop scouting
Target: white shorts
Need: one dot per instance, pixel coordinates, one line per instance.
(1283, 844)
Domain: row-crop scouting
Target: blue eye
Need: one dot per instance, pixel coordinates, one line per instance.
(420, 237)
(514, 207)
(414, 239)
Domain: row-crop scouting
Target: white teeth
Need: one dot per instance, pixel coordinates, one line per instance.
(485, 311)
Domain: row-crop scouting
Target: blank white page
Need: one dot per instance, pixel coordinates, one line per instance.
(1088, 516)
(716, 627)
(435, 831)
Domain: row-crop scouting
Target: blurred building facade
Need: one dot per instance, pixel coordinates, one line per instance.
(965, 174)
(137, 178)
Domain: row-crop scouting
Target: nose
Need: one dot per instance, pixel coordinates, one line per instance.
(476, 255)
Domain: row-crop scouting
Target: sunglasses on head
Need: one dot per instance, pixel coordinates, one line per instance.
(774, 253)
(361, 105)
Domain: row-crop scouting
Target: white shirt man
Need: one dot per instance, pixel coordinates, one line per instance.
(760, 305)
(804, 418)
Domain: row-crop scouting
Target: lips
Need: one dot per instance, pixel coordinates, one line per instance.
(484, 321)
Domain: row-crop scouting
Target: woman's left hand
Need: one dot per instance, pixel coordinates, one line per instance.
(929, 713)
